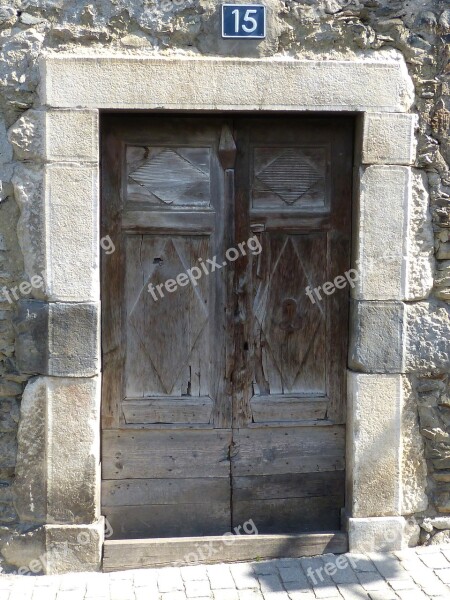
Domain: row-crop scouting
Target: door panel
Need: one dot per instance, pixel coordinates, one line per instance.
(224, 401)
(290, 194)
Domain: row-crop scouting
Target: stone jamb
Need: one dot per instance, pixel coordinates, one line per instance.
(63, 155)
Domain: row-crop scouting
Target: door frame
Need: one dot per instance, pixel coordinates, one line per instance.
(66, 245)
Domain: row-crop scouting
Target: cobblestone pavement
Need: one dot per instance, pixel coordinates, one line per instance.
(414, 574)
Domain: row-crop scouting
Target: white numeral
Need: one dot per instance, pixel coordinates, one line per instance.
(247, 19)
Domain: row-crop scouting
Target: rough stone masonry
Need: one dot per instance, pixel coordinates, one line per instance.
(308, 29)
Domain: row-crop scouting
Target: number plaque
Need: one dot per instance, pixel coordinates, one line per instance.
(243, 21)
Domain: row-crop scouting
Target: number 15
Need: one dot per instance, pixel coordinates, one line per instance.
(246, 19)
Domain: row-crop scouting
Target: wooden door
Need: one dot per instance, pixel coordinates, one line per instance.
(224, 395)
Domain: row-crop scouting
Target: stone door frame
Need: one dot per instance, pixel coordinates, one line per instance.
(58, 479)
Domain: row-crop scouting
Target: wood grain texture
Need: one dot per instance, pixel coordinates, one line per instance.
(283, 408)
(146, 454)
(168, 410)
(283, 450)
(141, 554)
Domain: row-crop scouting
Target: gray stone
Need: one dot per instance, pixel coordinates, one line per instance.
(427, 337)
(29, 188)
(420, 241)
(53, 549)
(377, 337)
(30, 488)
(374, 444)
(59, 135)
(58, 464)
(58, 339)
(389, 139)
(109, 81)
(382, 534)
(8, 445)
(381, 243)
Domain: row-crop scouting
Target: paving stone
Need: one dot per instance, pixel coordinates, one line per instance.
(373, 582)
(412, 595)
(173, 596)
(195, 589)
(220, 577)
(444, 575)
(390, 569)
(194, 573)
(270, 583)
(353, 591)
(402, 584)
(435, 561)
(251, 595)
(169, 580)
(339, 568)
(226, 595)
(294, 574)
(361, 562)
(389, 595)
(265, 567)
(244, 577)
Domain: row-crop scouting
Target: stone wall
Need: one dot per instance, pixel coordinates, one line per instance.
(419, 29)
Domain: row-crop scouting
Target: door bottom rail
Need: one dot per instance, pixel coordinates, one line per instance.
(163, 552)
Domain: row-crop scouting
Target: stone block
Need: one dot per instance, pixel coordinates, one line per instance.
(58, 339)
(380, 232)
(30, 487)
(56, 135)
(377, 337)
(374, 445)
(58, 464)
(376, 82)
(29, 187)
(420, 241)
(55, 549)
(414, 466)
(74, 548)
(72, 135)
(58, 229)
(427, 337)
(376, 534)
(72, 236)
(388, 139)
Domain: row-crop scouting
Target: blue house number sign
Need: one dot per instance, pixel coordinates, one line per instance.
(243, 21)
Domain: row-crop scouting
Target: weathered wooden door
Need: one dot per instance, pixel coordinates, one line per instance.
(224, 383)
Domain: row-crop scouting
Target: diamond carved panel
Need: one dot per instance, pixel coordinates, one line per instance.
(169, 177)
(289, 178)
(168, 329)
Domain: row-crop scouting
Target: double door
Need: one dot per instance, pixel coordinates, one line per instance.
(223, 371)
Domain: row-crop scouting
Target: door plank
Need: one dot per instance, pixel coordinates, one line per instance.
(281, 450)
(291, 485)
(267, 409)
(142, 554)
(290, 515)
(168, 410)
(141, 492)
(168, 520)
(150, 454)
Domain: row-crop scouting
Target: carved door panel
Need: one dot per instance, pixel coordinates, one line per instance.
(293, 192)
(223, 394)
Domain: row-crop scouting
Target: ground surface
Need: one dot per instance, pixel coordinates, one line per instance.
(410, 575)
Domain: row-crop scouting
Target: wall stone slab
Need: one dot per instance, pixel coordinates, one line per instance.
(56, 135)
(209, 83)
(58, 339)
(62, 443)
(389, 139)
(377, 337)
(374, 446)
